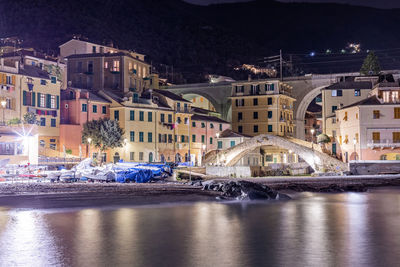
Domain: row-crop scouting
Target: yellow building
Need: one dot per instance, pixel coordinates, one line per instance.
(28, 89)
(263, 107)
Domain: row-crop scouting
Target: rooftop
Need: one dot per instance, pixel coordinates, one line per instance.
(170, 95)
(370, 101)
(117, 54)
(197, 117)
(229, 133)
(349, 85)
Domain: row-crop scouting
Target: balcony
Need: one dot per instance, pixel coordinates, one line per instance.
(383, 143)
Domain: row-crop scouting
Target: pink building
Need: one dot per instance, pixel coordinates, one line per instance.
(79, 106)
(205, 130)
(370, 129)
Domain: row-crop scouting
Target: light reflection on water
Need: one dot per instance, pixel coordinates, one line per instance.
(350, 229)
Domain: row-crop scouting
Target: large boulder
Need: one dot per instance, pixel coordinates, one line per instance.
(245, 190)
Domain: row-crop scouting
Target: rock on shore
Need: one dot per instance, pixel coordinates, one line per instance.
(244, 190)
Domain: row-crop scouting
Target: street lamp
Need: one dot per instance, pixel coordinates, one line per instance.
(3, 105)
(354, 143)
(89, 140)
(312, 138)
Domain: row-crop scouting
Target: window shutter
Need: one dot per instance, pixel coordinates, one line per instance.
(24, 98)
(58, 102)
(38, 99)
(13, 80)
(48, 100)
(13, 104)
(33, 99)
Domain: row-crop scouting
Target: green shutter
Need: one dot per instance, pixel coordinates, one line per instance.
(58, 102)
(38, 99)
(24, 98)
(33, 102)
(48, 100)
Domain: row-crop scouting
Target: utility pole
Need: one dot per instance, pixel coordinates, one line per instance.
(281, 65)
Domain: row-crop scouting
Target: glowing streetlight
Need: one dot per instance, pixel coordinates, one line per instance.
(3, 105)
(89, 140)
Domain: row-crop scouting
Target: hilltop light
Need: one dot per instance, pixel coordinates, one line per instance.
(312, 54)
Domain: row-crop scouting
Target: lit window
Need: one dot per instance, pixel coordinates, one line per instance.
(115, 66)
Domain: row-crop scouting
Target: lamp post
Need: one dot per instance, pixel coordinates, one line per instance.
(312, 139)
(354, 143)
(3, 105)
(89, 140)
(217, 150)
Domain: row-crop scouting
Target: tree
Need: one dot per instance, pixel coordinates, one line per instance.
(322, 140)
(371, 65)
(104, 133)
(30, 118)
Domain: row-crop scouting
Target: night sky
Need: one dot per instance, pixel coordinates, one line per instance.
(372, 3)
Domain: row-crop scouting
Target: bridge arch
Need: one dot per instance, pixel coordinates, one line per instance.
(311, 154)
(302, 108)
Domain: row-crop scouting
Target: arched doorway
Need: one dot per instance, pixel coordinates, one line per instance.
(178, 158)
(151, 157)
(116, 157)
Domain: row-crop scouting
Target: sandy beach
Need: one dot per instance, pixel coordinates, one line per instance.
(61, 195)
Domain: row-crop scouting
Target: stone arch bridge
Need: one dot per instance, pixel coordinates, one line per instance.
(305, 89)
(311, 154)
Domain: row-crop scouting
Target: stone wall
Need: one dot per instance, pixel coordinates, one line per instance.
(366, 167)
(234, 171)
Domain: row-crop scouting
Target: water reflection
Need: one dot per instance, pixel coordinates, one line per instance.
(315, 230)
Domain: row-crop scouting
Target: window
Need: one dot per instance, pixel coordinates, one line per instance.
(270, 128)
(132, 156)
(255, 128)
(43, 101)
(203, 139)
(150, 137)
(162, 117)
(255, 115)
(220, 126)
(53, 146)
(356, 116)
(186, 121)
(337, 92)
(104, 110)
(240, 129)
(94, 108)
(53, 122)
(345, 116)
(178, 106)
(211, 140)
(185, 107)
(219, 144)
(255, 102)
(269, 101)
(150, 116)
(356, 137)
(141, 115)
(269, 114)
(141, 137)
(141, 156)
(132, 115)
(182, 139)
(383, 157)
(169, 118)
(334, 108)
(132, 136)
(193, 124)
(53, 101)
(115, 66)
(42, 121)
(203, 125)
(43, 82)
(116, 115)
(170, 138)
(269, 87)
(106, 65)
(396, 137)
(240, 116)
(79, 67)
(211, 126)
(239, 102)
(84, 106)
(193, 138)
(376, 137)
(239, 88)
(233, 143)
(357, 92)
(397, 113)
(42, 143)
(376, 114)
(53, 79)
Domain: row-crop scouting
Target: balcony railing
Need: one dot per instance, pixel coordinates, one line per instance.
(383, 143)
